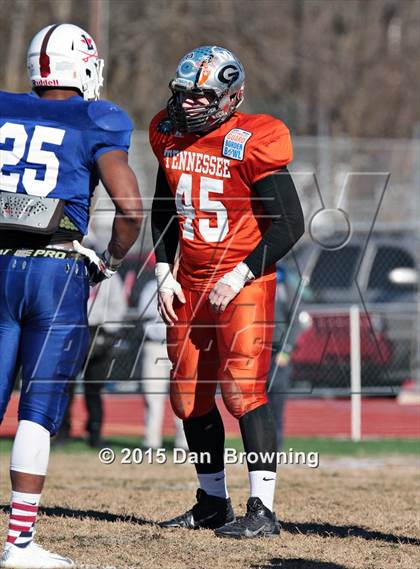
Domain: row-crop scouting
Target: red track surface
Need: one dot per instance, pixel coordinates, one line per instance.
(304, 417)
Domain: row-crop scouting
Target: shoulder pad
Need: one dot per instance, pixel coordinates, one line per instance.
(273, 124)
(108, 116)
(165, 126)
(161, 123)
(9, 95)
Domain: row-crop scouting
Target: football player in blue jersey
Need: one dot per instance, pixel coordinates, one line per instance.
(55, 145)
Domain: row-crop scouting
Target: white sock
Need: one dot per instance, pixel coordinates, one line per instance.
(214, 484)
(262, 484)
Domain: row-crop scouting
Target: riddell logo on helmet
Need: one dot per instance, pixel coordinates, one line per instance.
(45, 82)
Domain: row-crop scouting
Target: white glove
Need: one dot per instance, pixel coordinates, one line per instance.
(165, 280)
(98, 266)
(238, 277)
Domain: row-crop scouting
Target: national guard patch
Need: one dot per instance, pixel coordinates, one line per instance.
(234, 143)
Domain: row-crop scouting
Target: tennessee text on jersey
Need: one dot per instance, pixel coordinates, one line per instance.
(196, 162)
(234, 143)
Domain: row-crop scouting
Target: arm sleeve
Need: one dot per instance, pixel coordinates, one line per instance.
(165, 230)
(280, 201)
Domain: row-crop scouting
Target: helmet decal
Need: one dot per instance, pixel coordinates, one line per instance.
(188, 69)
(44, 58)
(228, 74)
(204, 73)
(88, 42)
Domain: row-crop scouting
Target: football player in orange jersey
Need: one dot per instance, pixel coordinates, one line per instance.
(224, 195)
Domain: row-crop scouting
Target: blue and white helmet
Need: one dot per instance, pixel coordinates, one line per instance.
(213, 72)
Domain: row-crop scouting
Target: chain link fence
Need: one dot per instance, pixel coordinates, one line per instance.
(369, 272)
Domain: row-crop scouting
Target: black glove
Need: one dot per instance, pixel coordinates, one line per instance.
(97, 265)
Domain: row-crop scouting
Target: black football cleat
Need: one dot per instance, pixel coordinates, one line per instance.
(259, 521)
(209, 512)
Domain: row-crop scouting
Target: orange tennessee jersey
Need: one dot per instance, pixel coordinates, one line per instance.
(211, 176)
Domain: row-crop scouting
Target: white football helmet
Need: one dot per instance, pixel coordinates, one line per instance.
(64, 55)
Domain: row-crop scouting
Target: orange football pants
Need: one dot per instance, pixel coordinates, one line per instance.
(232, 348)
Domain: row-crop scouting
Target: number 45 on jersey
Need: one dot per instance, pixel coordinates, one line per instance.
(184, 206)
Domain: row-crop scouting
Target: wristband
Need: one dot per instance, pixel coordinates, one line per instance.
(238, 277)
(112, 262)
(165, 279)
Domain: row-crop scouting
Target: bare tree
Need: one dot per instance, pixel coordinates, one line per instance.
(342, 66)
(16, 46)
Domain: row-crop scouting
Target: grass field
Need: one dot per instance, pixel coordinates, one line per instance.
(358, 510)
(326, 447)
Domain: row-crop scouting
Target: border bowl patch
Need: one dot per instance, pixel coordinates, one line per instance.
(234, 143)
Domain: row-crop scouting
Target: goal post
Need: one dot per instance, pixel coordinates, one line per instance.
(355, 374)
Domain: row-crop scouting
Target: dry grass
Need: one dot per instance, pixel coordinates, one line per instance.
(356, 514)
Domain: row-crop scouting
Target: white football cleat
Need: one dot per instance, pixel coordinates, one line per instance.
(32, 557)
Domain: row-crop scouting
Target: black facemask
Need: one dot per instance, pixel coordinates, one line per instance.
(197, 119)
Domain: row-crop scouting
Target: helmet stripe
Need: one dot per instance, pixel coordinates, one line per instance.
(44, 60)
(199, 73)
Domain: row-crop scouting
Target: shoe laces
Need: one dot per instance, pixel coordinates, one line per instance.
(253, 505)
(251, 511)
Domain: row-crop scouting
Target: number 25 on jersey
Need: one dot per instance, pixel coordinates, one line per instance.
(46, 161)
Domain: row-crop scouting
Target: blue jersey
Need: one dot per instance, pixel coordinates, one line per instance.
(50, 147)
